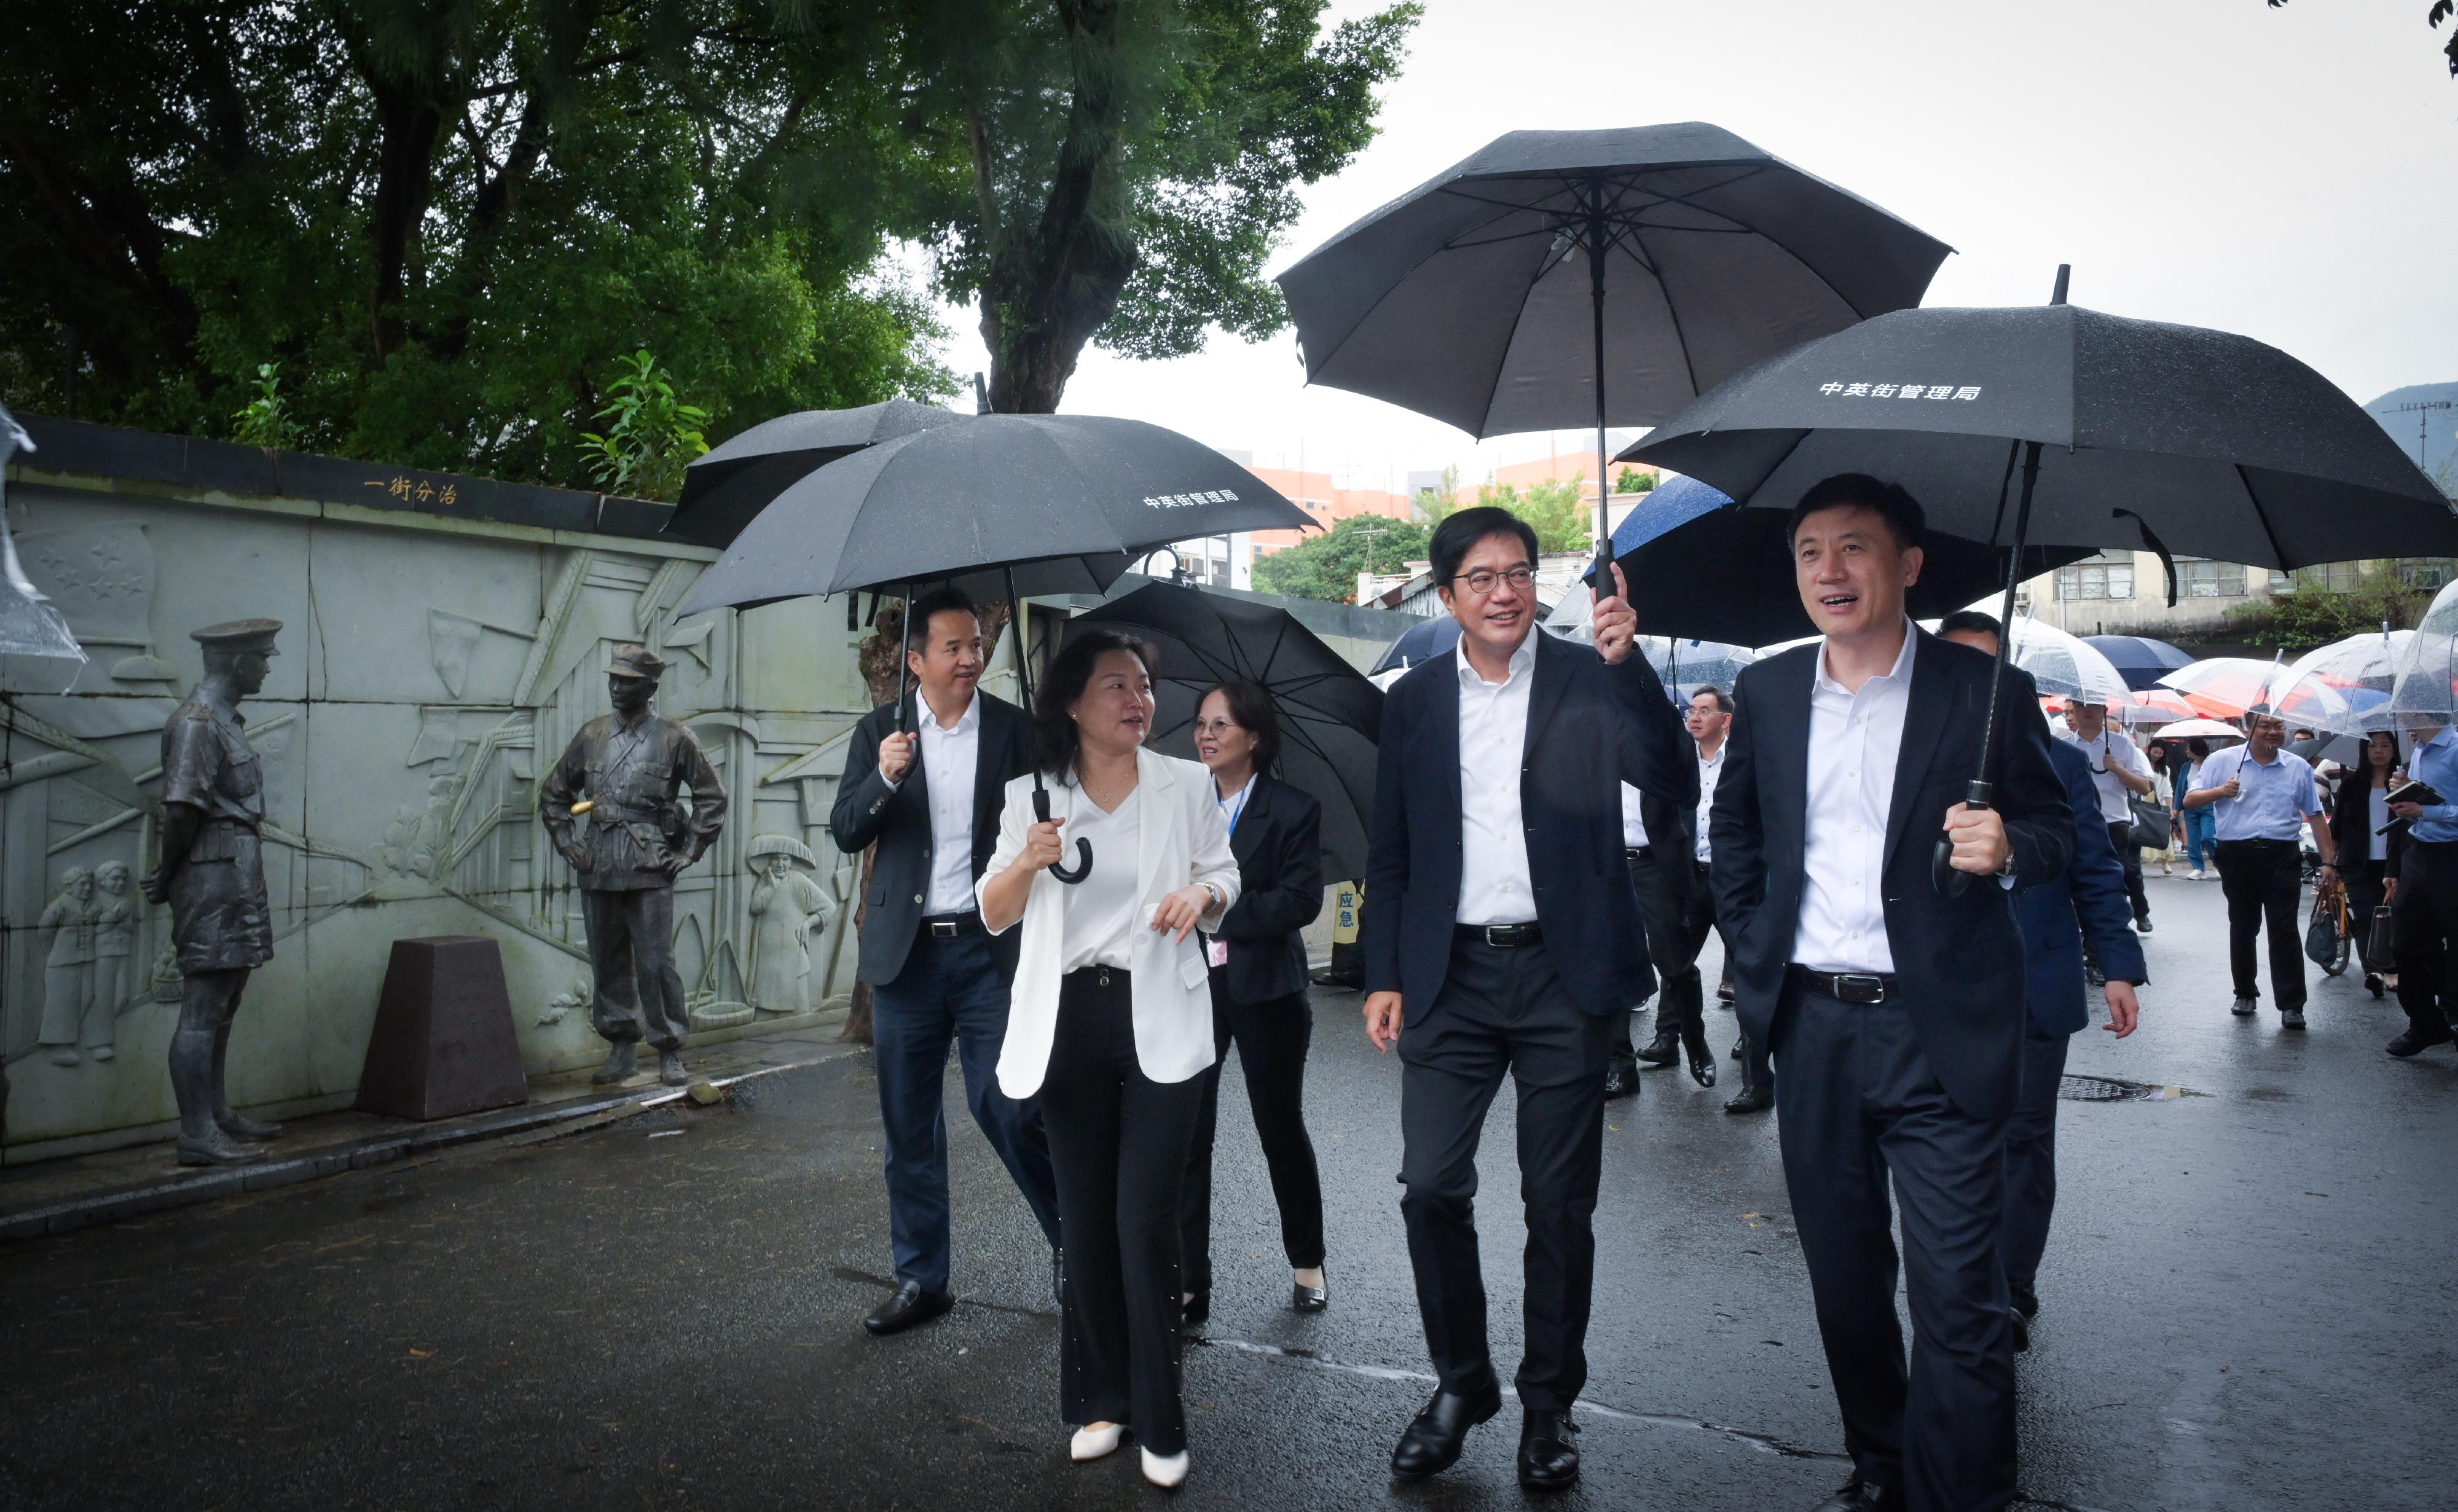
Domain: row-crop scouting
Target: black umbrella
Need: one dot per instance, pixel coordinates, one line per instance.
(1330, 715)
(725, 488)
(2183, 439)
(1490, 295)
(1050, 502)
(1749, 599)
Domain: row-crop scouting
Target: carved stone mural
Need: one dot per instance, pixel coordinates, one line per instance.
(435, 663)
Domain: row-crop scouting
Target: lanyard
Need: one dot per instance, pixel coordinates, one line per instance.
(1240, 812)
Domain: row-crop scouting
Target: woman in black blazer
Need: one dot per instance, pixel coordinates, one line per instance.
(2371, 875)
(1259, 988)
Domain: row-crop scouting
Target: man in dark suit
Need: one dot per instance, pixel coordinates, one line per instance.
(1891, 1001)
(1501, 934)
(930, 797)
(2089, 904)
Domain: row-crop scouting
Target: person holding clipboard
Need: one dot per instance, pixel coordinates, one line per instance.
(2425, 915)
(2260, 793)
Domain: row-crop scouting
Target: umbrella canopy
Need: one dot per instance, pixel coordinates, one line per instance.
(2226, 687)
(1065, 500)
(2197, 727)
(2179, 438)
(726, 486)
(2138, 658)
(2066, 665)
(1330, 715)
(2424, 690)
(1727, 574)
(2154, 706)
(2346, 750)
(1686, 666)
(1423, 641)
(1478, 297)
(2344, 686)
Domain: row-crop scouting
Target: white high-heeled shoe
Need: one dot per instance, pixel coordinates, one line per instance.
(1094, 1443)
(1166, 1471)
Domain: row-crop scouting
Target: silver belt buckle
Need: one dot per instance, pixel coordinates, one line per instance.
(943, 928)
(1501, 936)
(1854, 981)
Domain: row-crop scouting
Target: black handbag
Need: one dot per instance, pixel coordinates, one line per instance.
(2381, 944)
(2151, 824)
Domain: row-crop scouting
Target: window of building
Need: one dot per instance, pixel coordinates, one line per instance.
(2100, 577)
(2336, 577)
(2425, 571)
(2199, 577)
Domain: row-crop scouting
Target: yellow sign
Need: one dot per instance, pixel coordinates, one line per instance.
(1345, 900)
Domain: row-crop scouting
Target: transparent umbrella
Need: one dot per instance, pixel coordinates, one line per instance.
(1687, 666)
(2224, 687)
(2066, 665)
(2425, 689)
(2344, 687)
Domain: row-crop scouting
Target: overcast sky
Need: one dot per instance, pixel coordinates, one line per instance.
(2285, 173)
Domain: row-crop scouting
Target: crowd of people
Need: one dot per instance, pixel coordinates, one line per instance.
(1094, 961)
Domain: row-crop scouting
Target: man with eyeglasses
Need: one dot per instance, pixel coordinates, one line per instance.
(1501, 934)
(2262, 794)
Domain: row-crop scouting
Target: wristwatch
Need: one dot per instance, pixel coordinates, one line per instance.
(1220, 899)
(2005, 871)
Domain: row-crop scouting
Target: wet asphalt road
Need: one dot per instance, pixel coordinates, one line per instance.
(2247, 1305)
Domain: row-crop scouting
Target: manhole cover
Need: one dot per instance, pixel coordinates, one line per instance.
(2104, 1090)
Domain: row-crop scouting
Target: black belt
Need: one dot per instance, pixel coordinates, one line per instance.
(947, 927)
(1501, 936)
(1639, 853)
(1865, 988)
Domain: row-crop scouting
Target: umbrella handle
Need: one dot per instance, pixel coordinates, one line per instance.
(1949, 882)
(1083, 846)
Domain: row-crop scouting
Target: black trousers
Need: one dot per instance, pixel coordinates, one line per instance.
(2425, 919)
(2130, 857)
(1117, 1144)
(1856, 1104)
(1678, 910)
(2031, 1156)
(2366, 880)
(1272, 1039)
(639, 993)
(1504, 1010)
(2264, 884)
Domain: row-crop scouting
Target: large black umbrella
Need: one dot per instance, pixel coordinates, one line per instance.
(2123, 430)
(725, 487)
(1502, 294)
(1330, 715)
(1727, 575)
(1043, 502)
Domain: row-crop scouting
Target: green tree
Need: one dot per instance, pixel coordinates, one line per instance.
(444, 217)
(2309, 614)
(1630, 480)
(1130, 164)
(1433, 506)
(1326, 566)
(1559, 512)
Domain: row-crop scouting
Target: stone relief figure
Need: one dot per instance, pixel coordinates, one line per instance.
(115, 943)
(787, 904)
(559, 1006)
(213, 877)
(68, 966)
(626, 772)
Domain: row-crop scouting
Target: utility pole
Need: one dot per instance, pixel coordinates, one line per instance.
(2422, 413)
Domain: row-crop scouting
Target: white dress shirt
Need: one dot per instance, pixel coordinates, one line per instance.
(1633, 820)
(1101, 908)
(1854, 739)
(2111, 753)
(1494, 886)
(1711, 770)
(950, 757)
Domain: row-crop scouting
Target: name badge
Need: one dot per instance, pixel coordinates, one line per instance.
(1217, 951)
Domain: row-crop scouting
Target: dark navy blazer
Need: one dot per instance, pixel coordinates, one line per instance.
(2087, 901)
(1590, 727)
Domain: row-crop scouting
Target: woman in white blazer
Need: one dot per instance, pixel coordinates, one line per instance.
(1111, 1024)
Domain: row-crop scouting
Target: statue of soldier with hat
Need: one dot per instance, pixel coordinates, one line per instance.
(213, 877)
(624, 772)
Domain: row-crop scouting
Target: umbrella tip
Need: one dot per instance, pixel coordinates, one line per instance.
(2065, 272)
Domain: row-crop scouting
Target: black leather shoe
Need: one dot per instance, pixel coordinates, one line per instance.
(2291, 1018)
(1197, 1311)
(2373, 983)
(909, 1306)
(1432, 1443)
(2414, 1042)
(1621, 1078)
(1751, 1100)
(1548, 1450)
(2142, 925)
(1703, 1060)
(1861, 1495)
(1305, 1298)
(1662, 1050)
(1724, 990)
(2242, 1007)
(2027, 1302)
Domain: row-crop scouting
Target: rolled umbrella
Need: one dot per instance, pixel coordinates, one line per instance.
(729, 485)
(1330, 713)
(2138, 657)
(1564, 277)
(1040, 503)
(2122, 431)
(2226, 687)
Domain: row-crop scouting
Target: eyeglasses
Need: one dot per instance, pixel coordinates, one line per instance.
(1216, 727)
(1484, 579)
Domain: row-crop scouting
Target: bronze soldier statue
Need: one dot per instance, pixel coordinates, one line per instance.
(213, 877)
(625, 770)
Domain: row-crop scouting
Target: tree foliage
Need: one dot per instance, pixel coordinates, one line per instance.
(1326, 566)
(1559, 512)
(1132, 163)
(444, 218)
(2309, 614)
